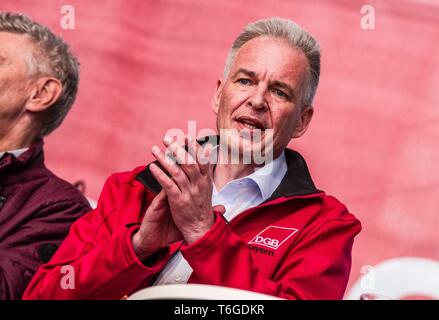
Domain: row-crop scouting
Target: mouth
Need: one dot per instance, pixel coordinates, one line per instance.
(250, 123)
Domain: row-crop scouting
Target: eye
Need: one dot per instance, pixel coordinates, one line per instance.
(280, 93)
(245, 82)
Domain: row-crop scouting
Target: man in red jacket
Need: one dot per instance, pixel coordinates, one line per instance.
(38, 84)
(256, 226)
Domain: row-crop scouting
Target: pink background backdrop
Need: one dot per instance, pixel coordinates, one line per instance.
(149, 66)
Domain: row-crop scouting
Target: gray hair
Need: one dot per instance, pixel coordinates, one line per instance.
(52, 57)
(295, 35)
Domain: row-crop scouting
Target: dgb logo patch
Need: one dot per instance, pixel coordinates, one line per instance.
(273, 236)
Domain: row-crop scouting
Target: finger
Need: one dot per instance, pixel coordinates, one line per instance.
(204, 162)
(203, 158)
(195, 149)
(160, 200)
(177, 151)
(220, 208)
(192, 146)
(173, 169)
(197, 152)
(211, 163)
(183, 158)
(168, 185)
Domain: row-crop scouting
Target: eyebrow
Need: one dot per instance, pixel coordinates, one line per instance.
(276, 83)
(249, 73)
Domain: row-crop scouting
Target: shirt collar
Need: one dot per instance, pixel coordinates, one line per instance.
(266, 178)
(33, 157)
(270, 176)
(16, 153)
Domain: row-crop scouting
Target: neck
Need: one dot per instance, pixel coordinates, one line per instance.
(225, 171)
(18, 137)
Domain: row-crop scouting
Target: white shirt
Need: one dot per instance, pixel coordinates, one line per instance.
(16, 153)
(236, 196)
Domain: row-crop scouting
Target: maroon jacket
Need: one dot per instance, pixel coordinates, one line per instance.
(36, 211)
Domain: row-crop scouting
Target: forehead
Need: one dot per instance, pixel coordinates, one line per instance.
(14, 45)
(272, 57)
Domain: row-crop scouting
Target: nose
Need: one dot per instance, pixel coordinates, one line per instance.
(257, 100)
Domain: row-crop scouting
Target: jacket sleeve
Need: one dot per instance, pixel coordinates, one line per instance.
(317, 267)
(94, 261)
(33, 244)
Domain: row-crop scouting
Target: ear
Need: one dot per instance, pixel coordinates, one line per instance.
(217, 96)
(44, 94)
(304, 119)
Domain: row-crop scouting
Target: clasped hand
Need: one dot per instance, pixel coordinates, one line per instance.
(183, 208)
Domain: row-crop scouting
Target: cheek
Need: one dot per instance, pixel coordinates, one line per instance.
(13, 82)
(233, 99)
(283, 125)
(13, 96)
(225, 110)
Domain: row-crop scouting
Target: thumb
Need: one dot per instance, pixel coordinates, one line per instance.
(208, 155)
(159, 200)
(220, 208)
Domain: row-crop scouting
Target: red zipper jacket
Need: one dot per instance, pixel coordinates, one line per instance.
(295, 245)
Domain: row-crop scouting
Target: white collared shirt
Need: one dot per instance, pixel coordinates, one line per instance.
(236, 196)
(16, 153)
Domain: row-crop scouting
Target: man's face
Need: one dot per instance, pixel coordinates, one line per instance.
(15, 50)
(264, 90)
